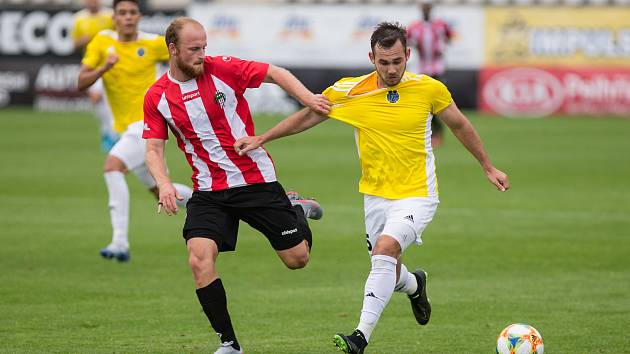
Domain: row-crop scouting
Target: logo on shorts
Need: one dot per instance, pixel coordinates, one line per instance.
(409, 217)
(393, 96)
(289, 232)
(219, 98)
(371, 294)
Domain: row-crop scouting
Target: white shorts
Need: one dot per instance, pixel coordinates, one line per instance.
(130, 148)
(403, 219)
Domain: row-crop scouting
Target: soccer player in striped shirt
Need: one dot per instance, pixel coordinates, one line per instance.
(391, 111)
(201, 100)
(430, 37)
(126, 61)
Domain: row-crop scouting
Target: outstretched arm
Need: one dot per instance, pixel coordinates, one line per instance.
(283, 78)
(295, 123)
(157, 166)
(88, 75)
(466, 133)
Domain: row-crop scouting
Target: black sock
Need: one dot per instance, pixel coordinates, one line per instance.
(214, 303)
(303, 225)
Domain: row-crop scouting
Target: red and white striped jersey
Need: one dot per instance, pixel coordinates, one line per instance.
(207, 115)
(430, 38)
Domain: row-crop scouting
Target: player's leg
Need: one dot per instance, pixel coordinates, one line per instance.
(103, 114)
(114, 171)
(417, 213)
(284, 224)
(210, 229)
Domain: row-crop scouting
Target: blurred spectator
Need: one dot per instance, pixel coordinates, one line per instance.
(430, 37)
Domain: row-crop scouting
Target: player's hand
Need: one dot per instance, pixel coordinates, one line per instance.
(111, 60)
(168, 199)
(319, 103)
(498, 178)
(248, 143)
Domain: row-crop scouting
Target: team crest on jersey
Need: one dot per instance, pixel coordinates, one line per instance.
(219, 98)
(141, 52)
(392, 96)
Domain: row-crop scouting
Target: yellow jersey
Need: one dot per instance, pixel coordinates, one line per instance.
(392, 131)
(130, 78)
(88, 24)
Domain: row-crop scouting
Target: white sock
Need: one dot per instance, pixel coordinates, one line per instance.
(185, 192)
(104, 115)
(118, 207)
(407, 282)
(379, 288)
(144, 176)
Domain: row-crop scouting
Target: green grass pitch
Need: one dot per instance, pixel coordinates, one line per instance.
(553, 252)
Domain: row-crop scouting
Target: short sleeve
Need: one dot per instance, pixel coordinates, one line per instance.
(93, 56)
(154, 124)
(161, 49)
(441, 98)
(76, 32)
(237, 73)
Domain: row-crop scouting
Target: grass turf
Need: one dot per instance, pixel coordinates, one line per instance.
(552, 252)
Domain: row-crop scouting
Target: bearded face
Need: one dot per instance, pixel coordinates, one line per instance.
(193, 67)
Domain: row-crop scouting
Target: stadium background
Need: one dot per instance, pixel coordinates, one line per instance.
(552, 252)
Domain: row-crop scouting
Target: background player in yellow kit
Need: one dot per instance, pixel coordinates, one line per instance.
(88, 22)
(126, 59)
(391, 111)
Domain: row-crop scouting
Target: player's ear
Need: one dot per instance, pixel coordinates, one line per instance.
(172, 49)
(371, 55)
(408, 53)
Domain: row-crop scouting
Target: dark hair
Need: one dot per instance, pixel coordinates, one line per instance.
(116, 2)
(387, 34)
(172, 31)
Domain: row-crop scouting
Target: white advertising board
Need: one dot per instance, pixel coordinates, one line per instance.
(333, 36)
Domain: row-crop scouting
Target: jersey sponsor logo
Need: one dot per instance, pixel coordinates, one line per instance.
(393, 96)
(190, 96)
(219, 98)
(289, 232)
(141, 52)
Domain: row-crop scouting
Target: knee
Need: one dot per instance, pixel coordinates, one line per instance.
(387, 246)
(297, 262)
(199, 265)
(114, 164)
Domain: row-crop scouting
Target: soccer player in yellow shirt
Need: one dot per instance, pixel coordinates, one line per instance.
(391, 111)
(88, 22)
(126, 60)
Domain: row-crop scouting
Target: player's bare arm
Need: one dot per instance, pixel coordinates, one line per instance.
(88, 75)
(283, 78)
(297, 122)
(466, 133)
(157, 166)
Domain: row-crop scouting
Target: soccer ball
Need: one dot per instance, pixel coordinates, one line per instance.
(520, 339)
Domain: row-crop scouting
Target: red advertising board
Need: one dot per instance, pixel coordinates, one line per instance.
(538, 92)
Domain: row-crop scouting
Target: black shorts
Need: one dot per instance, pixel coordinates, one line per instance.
(264, 206)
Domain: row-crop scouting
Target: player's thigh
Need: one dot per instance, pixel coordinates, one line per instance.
(207, 219)
(269, 211)
(130, 148)
(406, 219)
(374, 209)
